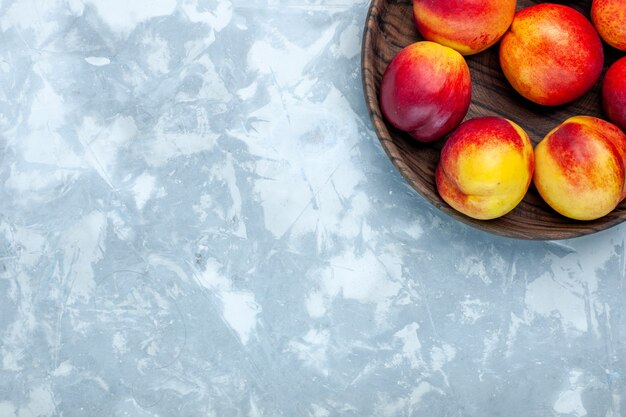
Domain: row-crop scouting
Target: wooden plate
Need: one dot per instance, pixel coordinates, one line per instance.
(388, 29)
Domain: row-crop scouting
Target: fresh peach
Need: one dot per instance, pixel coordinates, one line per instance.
(485, 168)
(551, 54)
(579, 168)
(609, 17)
(614, 93)
(469, 26)
(426, 90)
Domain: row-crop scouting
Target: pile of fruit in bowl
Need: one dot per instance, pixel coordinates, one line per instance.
(551, 54)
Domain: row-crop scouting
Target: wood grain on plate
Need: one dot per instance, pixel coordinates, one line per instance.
(389, 27)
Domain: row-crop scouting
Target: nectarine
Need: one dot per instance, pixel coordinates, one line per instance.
(469, 26)
(485, 168)
(426, 90)
(551, 54)
(614, 93)
(579, 168)
(609, 17)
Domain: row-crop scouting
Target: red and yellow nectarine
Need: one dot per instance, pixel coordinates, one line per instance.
(609, 17)
(579, 168)
(551, 54)
(485, 168)
(469, 26)
(426, 90)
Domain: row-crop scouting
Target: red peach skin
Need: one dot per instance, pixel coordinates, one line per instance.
(609, 18)
(614, 93)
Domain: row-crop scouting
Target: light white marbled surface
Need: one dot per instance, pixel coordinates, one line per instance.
(196, 219)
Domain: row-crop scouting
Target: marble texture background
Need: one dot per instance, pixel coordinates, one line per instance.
(196, 219)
